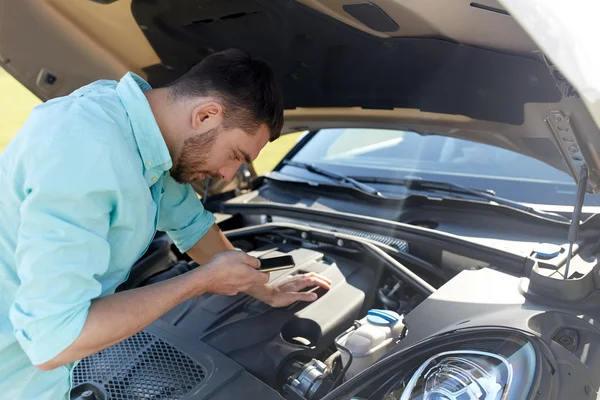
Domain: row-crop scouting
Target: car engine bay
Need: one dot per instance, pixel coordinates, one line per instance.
(382, 303)
(458, 271)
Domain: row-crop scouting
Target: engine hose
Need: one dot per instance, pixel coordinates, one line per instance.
(341, 375)
(405, 274)
(331, 360)
(354, 326)
(386, 300)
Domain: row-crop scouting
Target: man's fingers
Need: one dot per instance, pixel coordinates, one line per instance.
(249, 260)
(263, 277)
(301, 296)
(323, 278)
(317, 280)
(311, 281)
(253, 262)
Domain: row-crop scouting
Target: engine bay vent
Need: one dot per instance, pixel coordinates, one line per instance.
(141, 367)
(397, 244)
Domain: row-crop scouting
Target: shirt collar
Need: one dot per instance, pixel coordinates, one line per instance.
(150, 142)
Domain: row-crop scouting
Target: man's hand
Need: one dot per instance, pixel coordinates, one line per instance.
(284, 293)
(230, 272)
(214, 243)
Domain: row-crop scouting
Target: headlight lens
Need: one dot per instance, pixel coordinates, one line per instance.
(484, 364)
(457, 375)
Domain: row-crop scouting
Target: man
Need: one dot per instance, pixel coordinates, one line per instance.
(86, 183)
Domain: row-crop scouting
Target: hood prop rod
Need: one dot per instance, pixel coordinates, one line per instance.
(575, 220)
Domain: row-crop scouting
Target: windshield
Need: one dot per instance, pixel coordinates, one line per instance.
(402, 154)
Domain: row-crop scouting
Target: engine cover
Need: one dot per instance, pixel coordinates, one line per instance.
(251, 335)
(261, 338)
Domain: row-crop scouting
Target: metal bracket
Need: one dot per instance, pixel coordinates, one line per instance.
(564, 135)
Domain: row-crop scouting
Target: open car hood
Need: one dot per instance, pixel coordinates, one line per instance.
(519, 75)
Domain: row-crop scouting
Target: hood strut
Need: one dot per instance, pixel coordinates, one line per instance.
(575, 221)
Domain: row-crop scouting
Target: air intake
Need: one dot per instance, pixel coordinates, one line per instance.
(397, 244)
(141, 367)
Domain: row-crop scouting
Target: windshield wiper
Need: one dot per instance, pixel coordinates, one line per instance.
(335, 176)
(417, 183)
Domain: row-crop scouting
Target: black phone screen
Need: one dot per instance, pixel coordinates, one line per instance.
(282, 262)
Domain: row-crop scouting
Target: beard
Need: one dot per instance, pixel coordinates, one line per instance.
(195, 153)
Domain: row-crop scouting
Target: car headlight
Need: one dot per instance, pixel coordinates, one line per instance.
(457, 375)
(474, 364)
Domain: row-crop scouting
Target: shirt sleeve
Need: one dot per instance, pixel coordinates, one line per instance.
(70, 193)
(182, 215)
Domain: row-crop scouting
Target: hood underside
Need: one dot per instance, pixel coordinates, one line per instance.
(458, 68)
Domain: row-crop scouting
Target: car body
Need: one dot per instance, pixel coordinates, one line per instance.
(447, 147)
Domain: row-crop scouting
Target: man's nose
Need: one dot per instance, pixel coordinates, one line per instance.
(228, 172)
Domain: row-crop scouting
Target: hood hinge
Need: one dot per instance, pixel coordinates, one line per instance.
(569, 147)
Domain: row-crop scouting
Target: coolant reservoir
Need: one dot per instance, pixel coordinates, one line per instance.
(377, 333)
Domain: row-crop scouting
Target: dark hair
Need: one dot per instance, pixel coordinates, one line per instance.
(247, 88)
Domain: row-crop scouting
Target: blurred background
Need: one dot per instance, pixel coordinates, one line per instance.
(16, 103)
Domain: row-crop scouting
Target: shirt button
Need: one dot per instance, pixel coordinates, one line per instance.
(154, 179)
(148, 164)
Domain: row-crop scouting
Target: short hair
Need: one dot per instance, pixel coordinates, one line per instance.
(246, 87)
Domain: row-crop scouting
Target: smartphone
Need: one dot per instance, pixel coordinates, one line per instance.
(276, 263)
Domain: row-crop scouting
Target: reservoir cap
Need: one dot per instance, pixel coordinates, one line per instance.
(382, 317)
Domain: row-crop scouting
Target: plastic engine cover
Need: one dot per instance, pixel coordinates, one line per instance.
(261, 338)
(230, 341)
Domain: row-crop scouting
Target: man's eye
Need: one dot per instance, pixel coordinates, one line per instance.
(236, 158)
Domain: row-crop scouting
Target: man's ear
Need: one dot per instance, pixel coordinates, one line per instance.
(208, 115)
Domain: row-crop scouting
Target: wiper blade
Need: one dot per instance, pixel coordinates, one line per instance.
(335, 176)
(487, 194)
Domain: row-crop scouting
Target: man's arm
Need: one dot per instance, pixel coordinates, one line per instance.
(209, 245)
(114, 318)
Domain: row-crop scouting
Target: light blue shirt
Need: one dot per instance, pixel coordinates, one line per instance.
(84, 186)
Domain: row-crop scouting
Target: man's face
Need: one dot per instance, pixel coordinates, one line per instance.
(218, 153)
